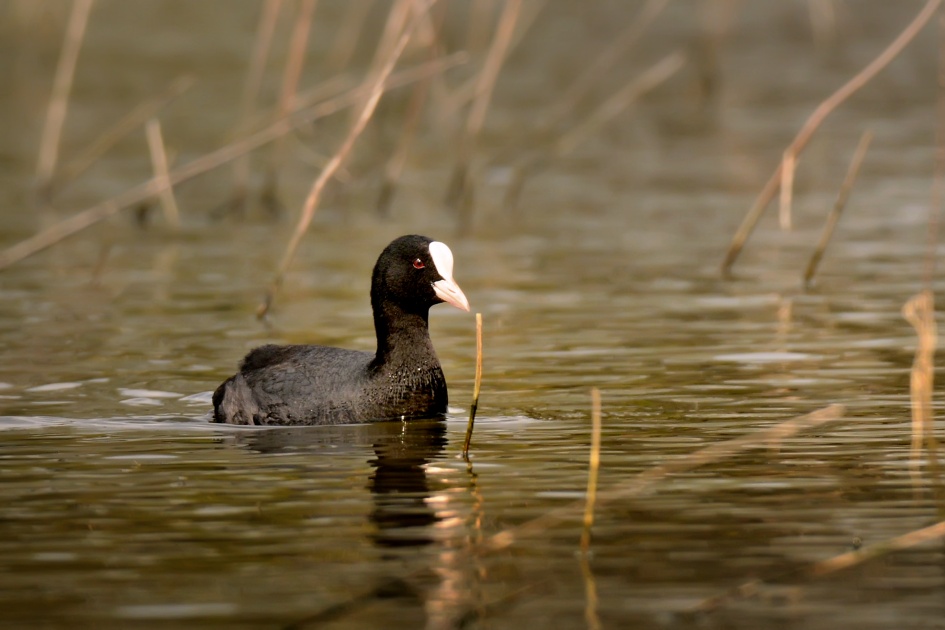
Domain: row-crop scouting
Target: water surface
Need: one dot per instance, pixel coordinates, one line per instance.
(124, 507)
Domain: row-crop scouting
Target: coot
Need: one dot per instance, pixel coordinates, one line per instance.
(303, 384)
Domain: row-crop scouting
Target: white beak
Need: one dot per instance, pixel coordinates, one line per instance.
(446, 289)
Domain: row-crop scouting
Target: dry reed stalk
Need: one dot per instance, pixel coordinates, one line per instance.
(296, 59)
(310, 157)
(477, 509)
(858, 155)
(478, 23)
(854, 558)
(395, 165)
(647, 81)
(485, 84)
(348, 34)
(399, 14)
(592, 470)
(919, 311)
(643, 482)
(789, 162)
(376, 84)
(62, 86)
(490, 70)
(251, 87)
(814, 121)
(466, 92)
(723, 450)
(125, 125)
(434, 39)
(831, 565)
(456, 98)
(619, 47)
(298, 41)
(101, 211)
(323, 90)
(396, 20)
(159, 163)
(581, 85)
(938, 182)
(591, 616)
(619, 102)
(476, 388)
(716, 452)
(578, 90)
(262, 43)
(333, 87)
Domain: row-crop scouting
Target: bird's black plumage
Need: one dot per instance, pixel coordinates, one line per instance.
(306, 384)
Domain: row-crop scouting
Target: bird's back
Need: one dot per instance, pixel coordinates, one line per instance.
(298, 384)
(307, 384)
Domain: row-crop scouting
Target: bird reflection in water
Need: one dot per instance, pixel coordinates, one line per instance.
(408, 509)
(417, 504)
(404, 506)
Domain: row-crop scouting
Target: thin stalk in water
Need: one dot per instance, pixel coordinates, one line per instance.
(592, 470)
(476, 387)
(838, 205)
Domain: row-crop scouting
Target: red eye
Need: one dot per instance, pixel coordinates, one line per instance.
(418, 264)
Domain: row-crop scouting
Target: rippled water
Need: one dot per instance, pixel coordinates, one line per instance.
(124, 507)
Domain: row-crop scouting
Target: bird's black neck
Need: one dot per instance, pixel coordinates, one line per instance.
(403, 336)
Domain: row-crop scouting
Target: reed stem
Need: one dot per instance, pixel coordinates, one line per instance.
(110, 137)
(348, 34)
(592, 470)
(789, 161)
(298, 42)
(813, 122)
(395, 165)
(920, 312)
(251, 88)
(590, 76)
(640, 484)
(485, 84)
(476, 388)
(624, 98)
(62, 86)
(159, 163)
(852, 171)
(376, 84)
(830, 565)
(101, 211)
